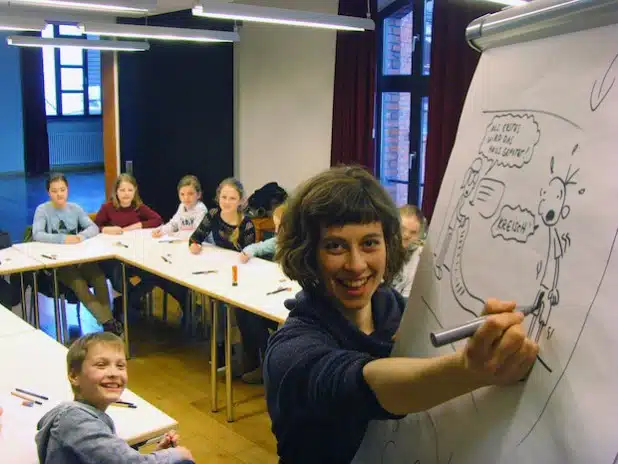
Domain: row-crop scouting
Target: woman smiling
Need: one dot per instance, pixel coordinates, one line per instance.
(327, 370)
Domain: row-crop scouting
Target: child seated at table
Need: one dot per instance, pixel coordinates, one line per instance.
(232, 230)
(126, 211)
(265, 248)
(80, 431)
(412, 233)
(190, 211)
(59, 221)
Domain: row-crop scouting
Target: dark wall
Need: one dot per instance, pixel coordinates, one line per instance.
(176, 114)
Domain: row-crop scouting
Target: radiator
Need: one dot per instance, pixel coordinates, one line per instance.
(75, 148)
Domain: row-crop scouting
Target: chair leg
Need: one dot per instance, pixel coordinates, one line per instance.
(149, 305)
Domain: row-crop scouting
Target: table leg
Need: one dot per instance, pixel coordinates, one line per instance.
(57, 306)
(228, 364)
(213, 356)
(35, 290)
(24, 313)
(125, 309)
(205, 304)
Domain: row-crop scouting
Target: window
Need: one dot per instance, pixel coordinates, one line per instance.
(404, 53)
(72, 76)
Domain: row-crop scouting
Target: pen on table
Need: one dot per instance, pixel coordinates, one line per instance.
(125, 404)
(36, 395)
(279, 290)
(468, 329)
(166, 260)
(211, 271)
(24, 397)
(121, 244)
(150, 441)
(48, 256)
(234, 276)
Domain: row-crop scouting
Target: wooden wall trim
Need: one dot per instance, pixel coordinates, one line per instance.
(111, 137)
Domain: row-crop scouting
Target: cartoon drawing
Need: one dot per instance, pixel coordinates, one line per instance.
(459, 225)
(552, 209)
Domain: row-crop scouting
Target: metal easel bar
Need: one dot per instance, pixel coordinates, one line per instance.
(539, 19)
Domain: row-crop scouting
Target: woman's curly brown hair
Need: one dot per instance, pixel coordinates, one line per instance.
(336, 197)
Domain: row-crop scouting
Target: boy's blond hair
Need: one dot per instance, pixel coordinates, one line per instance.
(79, 349)
(280, 210)
(412, 210)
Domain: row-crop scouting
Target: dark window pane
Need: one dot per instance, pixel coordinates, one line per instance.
(427, 31)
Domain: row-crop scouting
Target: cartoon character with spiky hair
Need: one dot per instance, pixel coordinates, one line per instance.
(552, 209)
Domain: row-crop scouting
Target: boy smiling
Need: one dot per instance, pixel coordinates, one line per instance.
(80, 431)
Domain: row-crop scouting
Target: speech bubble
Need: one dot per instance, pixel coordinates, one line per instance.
(510, 139)
(514, 223)
(488, 197)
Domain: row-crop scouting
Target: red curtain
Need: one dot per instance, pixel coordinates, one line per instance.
(354, 91)
(453, 63)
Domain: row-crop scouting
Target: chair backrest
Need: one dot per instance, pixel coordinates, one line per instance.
(28, 234)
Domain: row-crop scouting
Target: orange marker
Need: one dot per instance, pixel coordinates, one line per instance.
(234, 276)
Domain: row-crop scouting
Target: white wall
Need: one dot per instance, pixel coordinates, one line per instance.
(284, 98)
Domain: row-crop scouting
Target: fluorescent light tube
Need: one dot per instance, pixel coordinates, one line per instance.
(8, 23)
(26, 41)
(91, 5)
(160, 33)
(270, 15)
(508, 2)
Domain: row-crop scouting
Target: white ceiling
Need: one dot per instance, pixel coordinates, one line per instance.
(166, 6)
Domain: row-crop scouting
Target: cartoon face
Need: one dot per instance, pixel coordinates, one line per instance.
(551, 206)
(472, 177)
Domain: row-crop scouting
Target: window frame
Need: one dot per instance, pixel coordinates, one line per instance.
(416, 84)
(58, 72)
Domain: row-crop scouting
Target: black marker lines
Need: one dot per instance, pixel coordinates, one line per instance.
(548, 113)
(576, 341)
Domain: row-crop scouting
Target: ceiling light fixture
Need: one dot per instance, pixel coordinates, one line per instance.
(122, 46)
(8, 23)
(118, 6)
(509, 2)
(238, 12)
(160, 33)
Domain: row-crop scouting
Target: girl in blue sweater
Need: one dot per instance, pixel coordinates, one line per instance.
(59, 221)
(327, 370)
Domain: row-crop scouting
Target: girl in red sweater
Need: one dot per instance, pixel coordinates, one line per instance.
(125, 210)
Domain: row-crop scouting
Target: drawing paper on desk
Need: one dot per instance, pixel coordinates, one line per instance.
(528, 204)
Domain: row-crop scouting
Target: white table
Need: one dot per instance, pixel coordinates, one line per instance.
(11, 324)
(55, 255)
(37, 363)
(174, 262)
(14, 261)
(256, 279)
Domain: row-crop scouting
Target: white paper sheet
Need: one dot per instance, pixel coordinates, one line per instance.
(528, 204)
